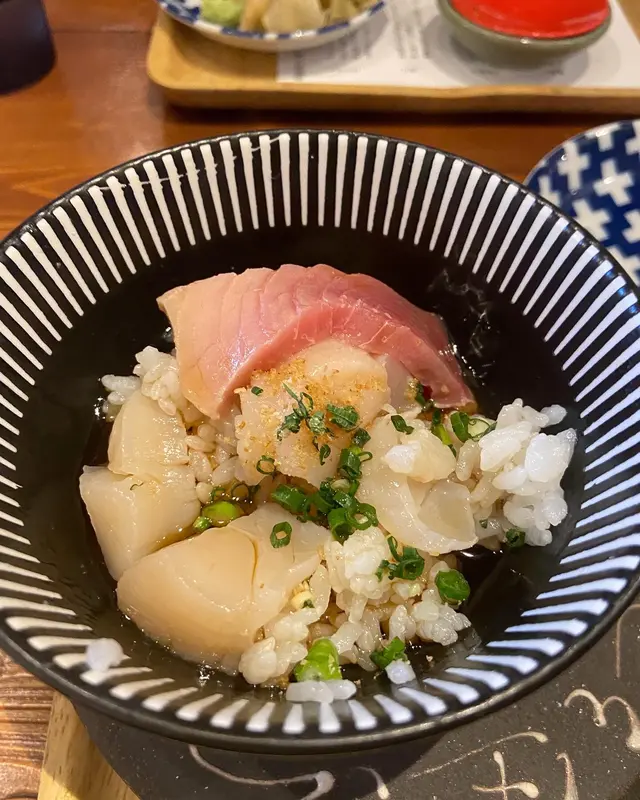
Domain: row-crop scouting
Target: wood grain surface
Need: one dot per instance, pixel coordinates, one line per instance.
(97, 109)
(73, 767)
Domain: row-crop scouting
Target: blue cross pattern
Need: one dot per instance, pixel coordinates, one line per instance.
(595, 178)
(186, 10)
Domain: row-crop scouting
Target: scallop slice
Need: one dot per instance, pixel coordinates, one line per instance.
(447, 510)
(399, 500)
(207, 597)
(330, 372)
(134, 517)
(145, 441)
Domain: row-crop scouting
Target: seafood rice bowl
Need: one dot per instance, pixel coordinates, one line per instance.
(287, 490)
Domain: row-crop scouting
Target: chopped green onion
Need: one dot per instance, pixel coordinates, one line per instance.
(340, 528)
(384, 567)
(317, 424)
(201, 524)
(325, 452)
(291, 499)
(394, 651)
(303, 410)
(281, 541)
(257, 390)
(217, 493)
(360, 438)
(479, 427)
(514, 538)
(400, 424)
(349, 465)
(460, 424)
(438, 429)
(222, 512)
(318, 500)
(410, 564)
(452, 586)
(291, 423)
(308, 604)
(322, 663)
(266, 460)
(369, 513)
(345, 417)
(241, 492)
(483, 523)
(423, 397)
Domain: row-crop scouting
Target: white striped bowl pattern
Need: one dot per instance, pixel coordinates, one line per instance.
(188, 13)
(77, 300)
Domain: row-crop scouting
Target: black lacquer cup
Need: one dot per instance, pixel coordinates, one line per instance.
(26, 47)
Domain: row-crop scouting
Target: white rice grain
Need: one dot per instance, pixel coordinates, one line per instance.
(103, 654)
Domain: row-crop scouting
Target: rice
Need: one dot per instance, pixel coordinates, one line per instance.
(510, 477)
(103, 654)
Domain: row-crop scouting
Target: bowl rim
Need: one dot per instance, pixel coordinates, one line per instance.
(223, 31)
(328, 743)
(541, 43)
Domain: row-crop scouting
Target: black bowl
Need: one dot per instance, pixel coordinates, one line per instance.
(536, 307)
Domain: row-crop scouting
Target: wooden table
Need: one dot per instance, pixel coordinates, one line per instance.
(97, 109)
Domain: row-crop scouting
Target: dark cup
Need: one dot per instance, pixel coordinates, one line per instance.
(26, 48)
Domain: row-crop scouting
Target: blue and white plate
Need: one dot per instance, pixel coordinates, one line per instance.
(189, 13)
(595, 178)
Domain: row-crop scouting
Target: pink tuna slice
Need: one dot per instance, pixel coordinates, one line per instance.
(229, 326)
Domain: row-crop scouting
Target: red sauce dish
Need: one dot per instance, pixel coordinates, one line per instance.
(537, 19)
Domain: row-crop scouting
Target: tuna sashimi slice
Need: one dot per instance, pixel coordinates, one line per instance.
(228, 326)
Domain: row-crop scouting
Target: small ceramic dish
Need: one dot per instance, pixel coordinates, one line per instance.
(188, 13)
(595, 178)
(537, 309)
(491, 45)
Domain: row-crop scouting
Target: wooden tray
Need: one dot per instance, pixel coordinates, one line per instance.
(73, 768)
(193, 71)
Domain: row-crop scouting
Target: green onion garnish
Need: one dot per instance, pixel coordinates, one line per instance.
(438, 429)
(338, 524)
(257, 390)
(384, 567)
(325, 452)
(362, 517)
(423, 397)
(201, 524)
(394, 651)
(460, 424)
(360, 438)
(349, 465)
(317, 424)
(453, 586)
(291, 499)
(483, 523)
(400, 424)
(410, 564)
(222, 512)
(322, 505)
(514, 538)
(281, 528)
(322, 663)
(291, 423)
(217, 493)
(268, 462)
(308, 604)
(479, 427)
(345, 417)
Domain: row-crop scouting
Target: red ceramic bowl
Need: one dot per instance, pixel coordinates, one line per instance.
(538, 19)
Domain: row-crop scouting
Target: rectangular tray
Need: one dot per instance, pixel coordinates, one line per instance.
(191, 70)
(73, 768)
